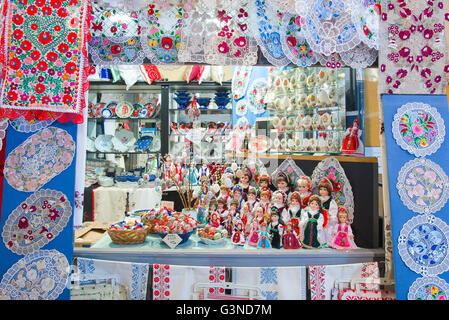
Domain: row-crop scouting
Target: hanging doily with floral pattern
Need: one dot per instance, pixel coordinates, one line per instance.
(289, 168)
(423, 245)
(42, 275)
(342, 194)
(231, 42)
(265, 26)
(115, 37)
(366, 16)
(161, 32)
(302, 7)
(240, 81)
(36, 221)
(413, 55)
(285, 6)
(38, 159)
(45, 58)
(3, 127)
(294, 43)
(360, 57)
(22, 125)
(423, 186)
(428, 288)
(329, 27)
(333, 61)
(241, 107)
(418, 128)
(256, 94)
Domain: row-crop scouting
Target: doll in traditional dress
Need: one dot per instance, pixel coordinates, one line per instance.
(343, 237)
(215, 220)
(290, 237)
(234, 210)
(313, 221)
(352, 143)
(179, 170)
(294, 210)
(283, 183)
(192, 174)
(244, 180)
(253, 237)
(204, 170)
(275, 228)
(168, 168)
(237, 195)
(304, 188)
(238, 238)
(229, 224)
(222, 208)
(202, 214)
(325, 188)
(265, 197)
(279, 201)
(263, 184)
(252, 198)
(264, 237)
(224, 193)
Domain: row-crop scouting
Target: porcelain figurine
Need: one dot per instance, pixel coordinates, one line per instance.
(343, 237)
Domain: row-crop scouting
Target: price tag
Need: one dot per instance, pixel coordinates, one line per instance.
(172, 240)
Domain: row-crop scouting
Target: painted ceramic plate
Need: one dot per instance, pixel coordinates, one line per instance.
(106, 113)
(103, 143)
(112, 106)
(124, 109)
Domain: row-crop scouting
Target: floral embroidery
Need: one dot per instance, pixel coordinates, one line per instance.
(115, 37)
(241, 108)
(423, 186)
(359, 57)
(423, 245)
(161, 282)
(428, 288)
(42, 275)
(333, 61)
(240, 81)
(317, 275)
(418, 128)
(45, 60)
(39, 159)
(412, 57)
(256, 94)
(366, 16)
(36, 221)
(22, 125)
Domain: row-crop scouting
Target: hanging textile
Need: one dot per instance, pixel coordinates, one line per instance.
(230, 43)
(333, 61)
(360, 57)
(80, 172)
(196, 30)
(365, 16)
(265, 25)
(413, 52)
(115, 37)
(45, 59)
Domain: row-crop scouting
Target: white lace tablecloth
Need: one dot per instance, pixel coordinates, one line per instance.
(110, 202)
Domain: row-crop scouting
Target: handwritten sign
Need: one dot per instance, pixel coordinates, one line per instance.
(172, 240)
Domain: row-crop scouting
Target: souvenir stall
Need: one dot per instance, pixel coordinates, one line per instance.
(208, 149)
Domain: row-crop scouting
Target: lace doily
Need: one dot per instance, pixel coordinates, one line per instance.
(418, 128)
(36, 221)
(294, 43)
(42, 275)
(196, 29)
(286, 6)
(230, 43)
(265, 26)
(39, 159)
(241, 124)
(3, 127)
(359, 57)
(302, 7)
(289, 168)
(161, 33)
(115, 37)
(256, 94)
(333, 61)
(22, 125)
(241, 107)
(240, 81)
(412, 58)
(428, 288)
(423, 245)
(423, 186)
(126, 5)
(366, 16)
(342, 194)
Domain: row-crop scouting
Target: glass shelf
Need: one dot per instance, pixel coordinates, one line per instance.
(126, 119)
(118, 152)
(299, 111)
(206, 111)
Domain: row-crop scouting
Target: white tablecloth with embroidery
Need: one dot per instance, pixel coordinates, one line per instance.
(110, 202)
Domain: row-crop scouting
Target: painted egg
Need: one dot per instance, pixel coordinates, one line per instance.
(36, 221)
(40, 158)
(42, 275)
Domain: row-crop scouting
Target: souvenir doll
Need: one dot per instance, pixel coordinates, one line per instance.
(179, 170)
(294, 210)
(222, 208)
(265, 197)
(237, 195)
(279, 200)
(202, 212)
(192, 174)
(264, 237)
(304, 187)
(229, 224)
(238, 238)
(224, 193)
(246, 214)
(342, 232)
(352, 143)
(325, 189)
(252, 198)
(263, 183)
(253, 236)
(234, 210)
(204, 170)
(206, 190)
(283, 183)
(213, 206)
(290, 237)
(167, 168)
(275, 228)
(313, 221)
(244, 180)
(215, 220)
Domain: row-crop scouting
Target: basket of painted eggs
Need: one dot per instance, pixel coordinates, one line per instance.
(148, 217)
(128, 232)
(212, 236)
(175, 223)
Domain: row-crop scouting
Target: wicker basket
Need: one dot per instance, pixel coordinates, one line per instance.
(149, 223)
(128, 236)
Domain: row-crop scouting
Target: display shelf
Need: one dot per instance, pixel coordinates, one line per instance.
(308, 131)
(126, 119)
(117, 152)
(206, 111)
(297, 111)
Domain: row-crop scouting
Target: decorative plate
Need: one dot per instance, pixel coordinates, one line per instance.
(103, 143)
(418, 128)
(429, 288)
(156, 144)
(143, 112)
(124, 109)
(97, 110)
(423, 245)
(112, 106)
(42, 275)
(118, 145)
(241, 107)
(126, 137)
(423, 186)
(256, 93)
(22, 125)
(36, 221)
(326, 120)
(106, 113)
(144, 143)
(90, 145)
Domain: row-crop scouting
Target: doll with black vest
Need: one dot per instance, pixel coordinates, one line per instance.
(294, 210)
(275, 228)
(304, 185)
(279, 202)
(313, 223)
(325, 189)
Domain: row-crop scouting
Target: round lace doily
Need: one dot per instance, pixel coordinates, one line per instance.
(366, 16)
(22, 125)
(256, 94)
(428, 288)
(359, 57)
